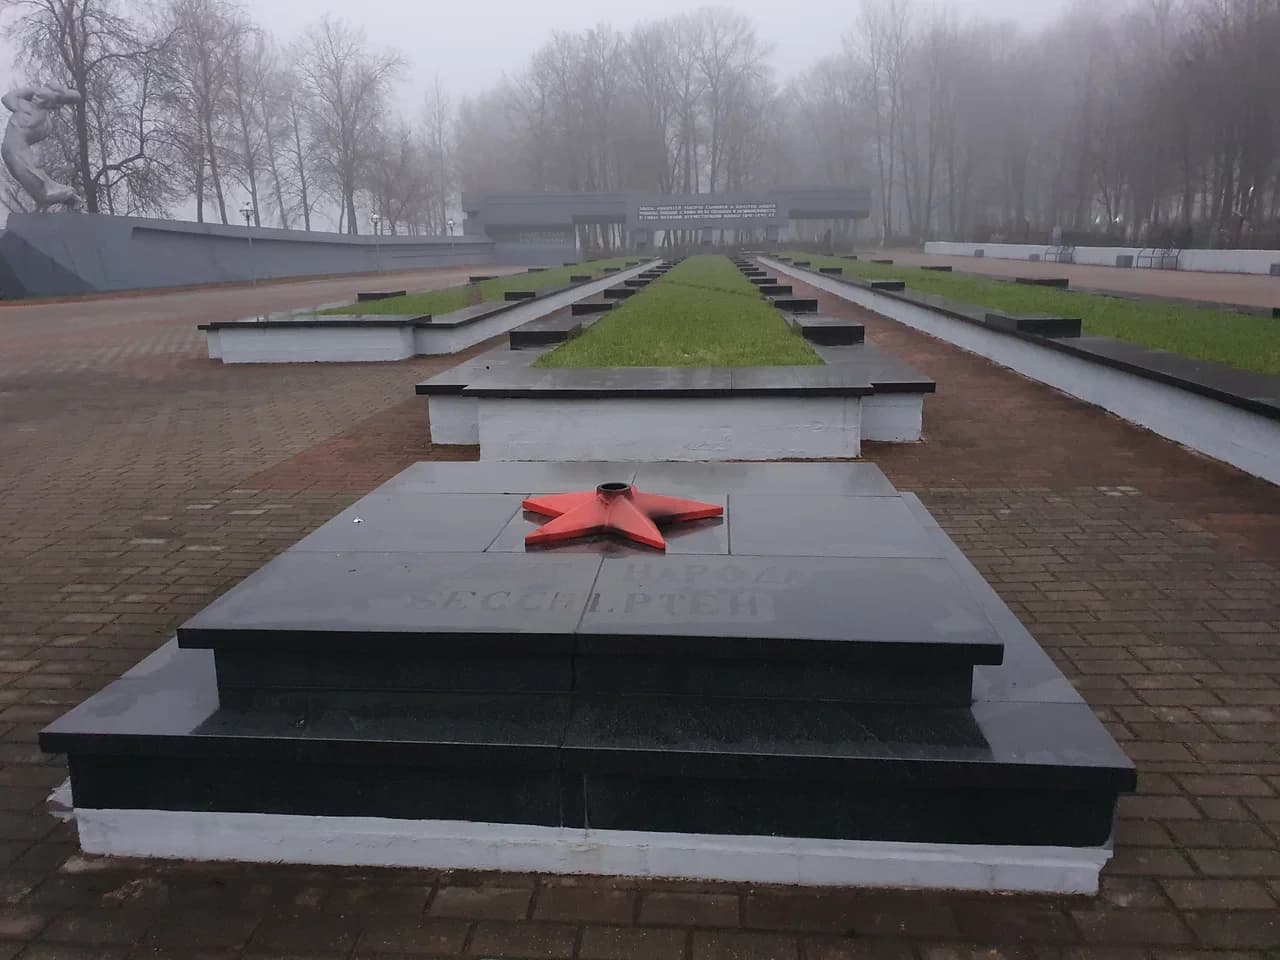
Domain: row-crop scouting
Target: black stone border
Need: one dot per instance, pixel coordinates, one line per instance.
(1255, 392)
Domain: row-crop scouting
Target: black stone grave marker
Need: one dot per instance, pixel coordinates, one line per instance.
(819, 662)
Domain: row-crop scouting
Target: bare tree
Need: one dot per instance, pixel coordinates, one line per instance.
(347, 86)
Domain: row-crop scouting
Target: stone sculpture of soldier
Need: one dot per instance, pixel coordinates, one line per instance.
(32, 108)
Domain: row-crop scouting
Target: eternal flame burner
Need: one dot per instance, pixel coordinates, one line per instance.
(613, 508)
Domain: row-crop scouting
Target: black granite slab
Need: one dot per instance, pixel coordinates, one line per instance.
(619, 293)
(636, 282)
(884, 261)
(578, 277)
(481, 277)
(699, 480)
(864, 771)
(795, 304)
(537, 269)
(886, 284)
(1042, 326)
(820, 695)
(834, 271)
(1060, 283)
(818, 525)
(545, 331)
(761, 280)
(775, 290)
(937, 268)
(801, 263)
(595, 383)
(520, 477)
(371, 295)
(587, 307)
(885, 373)
(455, 379)
(383, 602)
(612, 270)
(888, 611)
(520, 295)
(827, 330)
(852, 370)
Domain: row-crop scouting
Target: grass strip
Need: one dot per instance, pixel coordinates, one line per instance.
(1238, 340)
(438, 302)
(703, 313)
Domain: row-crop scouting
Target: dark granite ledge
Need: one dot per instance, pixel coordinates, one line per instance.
(1255, 392)
(627, 382)
(168, 706)
(848, 371)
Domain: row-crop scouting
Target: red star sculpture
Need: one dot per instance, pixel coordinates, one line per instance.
(612, 508)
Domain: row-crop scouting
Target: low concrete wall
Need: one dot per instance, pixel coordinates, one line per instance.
(1207, 261)
(69, 254)
(368, 342)
(1243, 439)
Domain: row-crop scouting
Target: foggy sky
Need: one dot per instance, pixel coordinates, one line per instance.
(470, 44)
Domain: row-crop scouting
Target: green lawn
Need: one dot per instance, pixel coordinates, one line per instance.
(438, 302)
(1236, 339)
(703, 313)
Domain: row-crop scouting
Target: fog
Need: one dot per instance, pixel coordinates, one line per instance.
(471, 45)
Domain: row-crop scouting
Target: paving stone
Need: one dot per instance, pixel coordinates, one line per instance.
(875, 948)
(416, 936)
(307, 933)
(551, 941)
(1237, 863)
(97, 927)
(1219, 894)
(728, 945)
(393, 898)
(690, 909)
(632, 943)
(585, 905)
(481, 903)
(1104, 925)
(1237, 929)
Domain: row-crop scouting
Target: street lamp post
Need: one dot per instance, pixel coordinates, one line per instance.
(247, 212)
(376, 220)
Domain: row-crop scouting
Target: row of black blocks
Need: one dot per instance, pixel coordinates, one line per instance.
(557, 328)
(802, 313)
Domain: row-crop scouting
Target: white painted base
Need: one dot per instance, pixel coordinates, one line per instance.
(1243, 439)
(443, 844)
(669, 428)
(338, 344)
(328, 344)
(1205, 261)
(895, 417)
(454, 419)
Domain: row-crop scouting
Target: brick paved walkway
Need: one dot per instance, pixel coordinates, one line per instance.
(139, 480)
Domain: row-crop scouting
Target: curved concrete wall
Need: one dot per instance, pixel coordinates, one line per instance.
(1208, 261)
(64, 254)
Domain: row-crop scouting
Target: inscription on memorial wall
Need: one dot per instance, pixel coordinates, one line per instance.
(651, 212)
